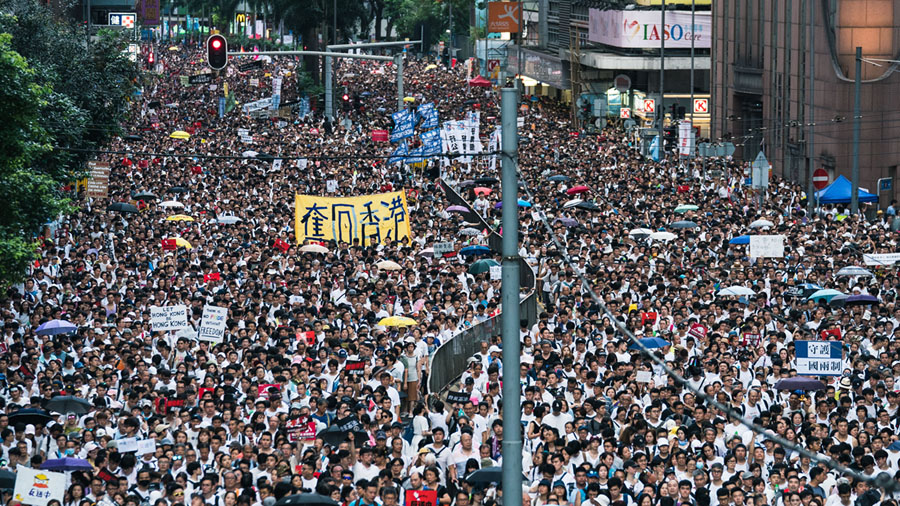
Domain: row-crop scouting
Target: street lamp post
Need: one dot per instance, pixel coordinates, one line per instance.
(854, 179)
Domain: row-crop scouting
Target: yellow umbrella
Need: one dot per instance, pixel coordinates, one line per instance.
(397, 321)
(173, 48)
(180, 134)
(179, 217)
(182, 242)
(432, 66)
(409, 99)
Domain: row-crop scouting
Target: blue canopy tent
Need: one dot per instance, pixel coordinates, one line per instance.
(839, 192)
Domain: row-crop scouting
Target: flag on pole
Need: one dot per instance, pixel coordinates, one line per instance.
(654, 149)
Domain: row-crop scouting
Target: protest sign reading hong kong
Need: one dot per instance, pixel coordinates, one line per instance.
(370, 219)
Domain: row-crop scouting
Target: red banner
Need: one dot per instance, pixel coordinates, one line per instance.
(826, 334)
(380, 135)
(649, 317)
(698, 331)
(212, 276)
(262, 391)
(169, 245)
(421, 498)
(301, 429)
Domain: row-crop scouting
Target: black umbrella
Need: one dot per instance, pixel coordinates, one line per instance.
(487, 180)
(264, 156)
(493, 474)
(683, 224)
(334, 436)
(145, 196)
(31, 416)
(587, 206)
(178, 189)
(7, 479)
(122, 207)
(133, 137)
(69, 404)
(308, 499)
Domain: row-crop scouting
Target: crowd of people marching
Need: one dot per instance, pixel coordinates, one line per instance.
(276, 409)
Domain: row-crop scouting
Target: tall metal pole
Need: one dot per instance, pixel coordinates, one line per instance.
(662, 74)
(693, 36)
(512, 428)
(450, 42)
(334, 29)
(329, 89)
(398, 61)
(810, 188)
(854, 191)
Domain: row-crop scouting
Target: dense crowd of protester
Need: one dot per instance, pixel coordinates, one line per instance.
(273, 410)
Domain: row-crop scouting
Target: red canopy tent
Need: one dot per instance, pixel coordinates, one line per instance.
(480, 81)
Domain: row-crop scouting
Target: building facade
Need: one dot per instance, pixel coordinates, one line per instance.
(763, 54)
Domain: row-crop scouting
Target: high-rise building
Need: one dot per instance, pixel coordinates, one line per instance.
(762, 57)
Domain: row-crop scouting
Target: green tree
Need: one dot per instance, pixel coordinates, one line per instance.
(59, 101)
(27, 196)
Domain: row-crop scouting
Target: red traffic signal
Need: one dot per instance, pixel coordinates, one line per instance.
(217, 52)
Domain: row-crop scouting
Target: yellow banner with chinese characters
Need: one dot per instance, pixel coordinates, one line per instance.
(364, 220)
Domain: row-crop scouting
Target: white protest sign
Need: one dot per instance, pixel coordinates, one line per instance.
(883, 259)
(767, 246)
(212, 325)
(257, 105)
(166, 318)
(496, 272)
(145, 446)
(643, 376)
(254, 82)
(331, 185)
(276, 164)
(36, 487)
(126, 445)
(443, 247)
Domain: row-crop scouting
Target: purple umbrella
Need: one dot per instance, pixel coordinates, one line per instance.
(799, 383)
(457, 209)
(467, 182)
(568, 222)
(861, 300)
(67, 464)
(54, 327)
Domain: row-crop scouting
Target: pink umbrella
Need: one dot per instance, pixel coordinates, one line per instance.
(482, 189)
(575, 190)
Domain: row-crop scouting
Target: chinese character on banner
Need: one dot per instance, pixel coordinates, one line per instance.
(421, 497)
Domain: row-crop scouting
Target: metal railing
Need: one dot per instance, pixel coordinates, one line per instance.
(449, 361)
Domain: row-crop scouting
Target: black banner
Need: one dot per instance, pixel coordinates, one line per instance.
(348, 424)
(454, 397)
(200, 78)
(255, 64)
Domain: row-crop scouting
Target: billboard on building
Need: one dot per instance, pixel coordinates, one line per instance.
(642, 30)
(503, 17)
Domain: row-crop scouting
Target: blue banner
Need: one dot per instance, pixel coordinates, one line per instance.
(404, 124)
(221, 107)
(415, 156)
(399, 154)
(431, 142)
(304, 107)
(429, 115)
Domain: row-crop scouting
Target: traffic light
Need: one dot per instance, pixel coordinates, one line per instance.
(217, 52)
(345, 101)
(670, 138)
(586, 109)
(150, 58)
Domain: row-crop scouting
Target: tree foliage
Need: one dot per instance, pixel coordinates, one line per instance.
(59, 100)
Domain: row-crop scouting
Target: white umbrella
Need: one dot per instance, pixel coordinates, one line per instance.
(427, 252)
(640, 231)
(572, 203)
(388, 265)
(854, 270)
(761, 224)
(228, 220)
(662, 236)
(736, 290)
(171, 203)
(314, 248)
(249, 154)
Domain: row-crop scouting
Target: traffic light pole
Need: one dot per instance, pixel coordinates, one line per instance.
(329, 71)
(398, 61)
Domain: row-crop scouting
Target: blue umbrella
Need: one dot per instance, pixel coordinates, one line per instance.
(741, 239)
(650, 342)
(825, 294)
(557, 178)
(522, 203)
(67, 464)
(861, 300)
(475, 250)
(54, 327)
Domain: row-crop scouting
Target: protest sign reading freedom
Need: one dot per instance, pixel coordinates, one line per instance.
(370, 219)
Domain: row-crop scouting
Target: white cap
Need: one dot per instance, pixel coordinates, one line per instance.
(29, 429)
(662, 442)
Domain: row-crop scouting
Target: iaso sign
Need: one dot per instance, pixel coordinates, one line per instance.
(503, 17)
